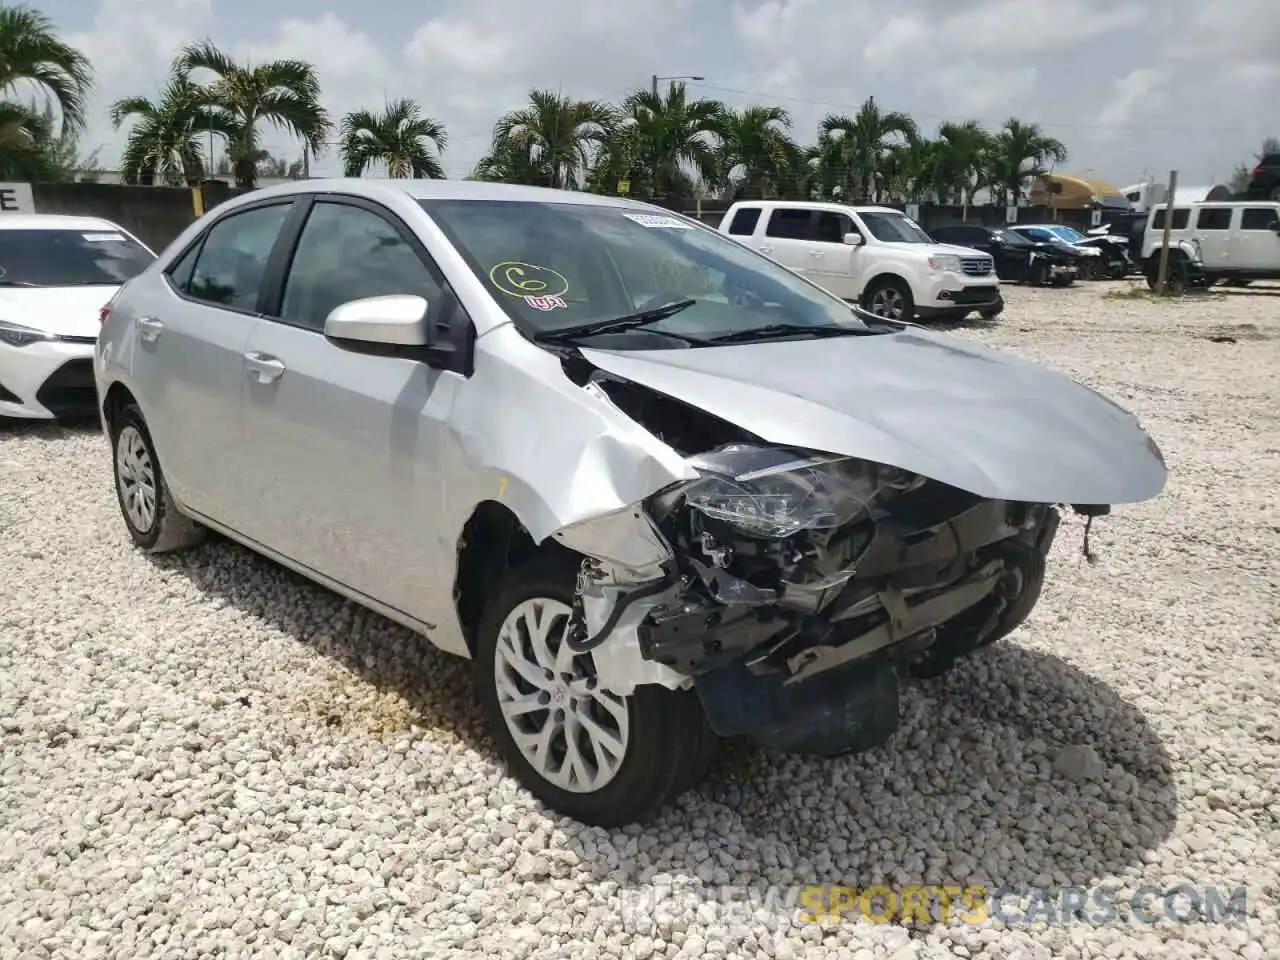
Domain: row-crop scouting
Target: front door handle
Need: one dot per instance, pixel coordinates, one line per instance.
(817, 253)
(263, 368)
(149, 329)
(766, 249)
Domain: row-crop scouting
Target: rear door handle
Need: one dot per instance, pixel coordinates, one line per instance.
(262, 367)
(817, 253)
(149, 329)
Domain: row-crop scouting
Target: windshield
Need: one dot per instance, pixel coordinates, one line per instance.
(1069, 234)
(1012, 238)
(557, 265)
(894, 228)
(65, 258)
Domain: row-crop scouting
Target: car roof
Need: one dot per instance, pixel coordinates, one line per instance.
(53, 221)
(1218, 203)
(444, 190)
(816, 205)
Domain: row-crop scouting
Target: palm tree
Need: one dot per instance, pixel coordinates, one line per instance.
(168, 136)
(30, 50)
(670, 134)
(911, 169)
(400, 139)
(757, 155)
(555, 133)
(963, 151)
(512, 162)
(862, 144)
(1021, 152)
(25, 136)
(284, 93)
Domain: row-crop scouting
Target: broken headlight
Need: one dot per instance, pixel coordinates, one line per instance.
(773, 493)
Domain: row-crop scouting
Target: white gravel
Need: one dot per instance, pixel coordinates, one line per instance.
(209, 757)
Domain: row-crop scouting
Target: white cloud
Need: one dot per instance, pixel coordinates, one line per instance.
(1193, 83)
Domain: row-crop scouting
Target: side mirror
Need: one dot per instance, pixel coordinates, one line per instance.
(395, 321)
(853, 239)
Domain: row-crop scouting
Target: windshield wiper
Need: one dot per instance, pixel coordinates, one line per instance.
(17, 283)
(786, 329)
(630, 321)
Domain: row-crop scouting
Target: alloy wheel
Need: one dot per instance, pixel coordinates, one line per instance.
(136, 478)
(573, 733)
(887, 302)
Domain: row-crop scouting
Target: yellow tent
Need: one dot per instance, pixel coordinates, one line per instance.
(1066, 191)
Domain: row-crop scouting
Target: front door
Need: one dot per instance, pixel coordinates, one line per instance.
(834, 262)
(1257, 242)
(189, 355)
(347, 444)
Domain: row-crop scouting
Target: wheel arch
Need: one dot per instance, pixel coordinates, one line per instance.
(117, 397)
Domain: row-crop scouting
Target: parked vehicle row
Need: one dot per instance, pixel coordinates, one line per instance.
(1017, 257)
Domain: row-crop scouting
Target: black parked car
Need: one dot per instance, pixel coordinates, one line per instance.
(1266, 178)
(1017, 258)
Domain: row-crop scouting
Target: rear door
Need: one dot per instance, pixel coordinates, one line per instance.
(787, 234)
(1257, 244)
(187, 364)
(347, 444)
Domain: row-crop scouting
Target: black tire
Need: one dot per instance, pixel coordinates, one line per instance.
(1088, 270)
(990, 313)
(1040, 276)
(666, 753)
(900, 288)
(169, 529)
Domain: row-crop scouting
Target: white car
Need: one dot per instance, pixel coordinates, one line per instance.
(873, 256)
(56, 275)
(1234, 242)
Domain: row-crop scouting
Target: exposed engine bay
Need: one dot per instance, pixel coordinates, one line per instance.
(792, 588)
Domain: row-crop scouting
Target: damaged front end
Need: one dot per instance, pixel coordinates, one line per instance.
(792, 589)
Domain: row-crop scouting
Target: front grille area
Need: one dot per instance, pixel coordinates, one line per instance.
(977, 266)
(70, 390)
(976, 295)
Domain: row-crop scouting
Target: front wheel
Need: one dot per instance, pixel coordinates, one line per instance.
(605, 760)
(890, 299)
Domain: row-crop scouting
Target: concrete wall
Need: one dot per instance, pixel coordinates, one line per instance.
(155, 215)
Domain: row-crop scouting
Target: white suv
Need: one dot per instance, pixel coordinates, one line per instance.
(1208, 242)
(873, 256)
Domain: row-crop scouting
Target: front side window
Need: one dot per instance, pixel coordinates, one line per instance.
(1258, 218)
(1181, 216)
(231, 262)
(558, 265)
(349, 253)
(1069, 234)
(894, 228)
(833, 226)
(70, 258)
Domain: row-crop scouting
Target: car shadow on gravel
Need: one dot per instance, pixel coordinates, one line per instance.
(1016, 769)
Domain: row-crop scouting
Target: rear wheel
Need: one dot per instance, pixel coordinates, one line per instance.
(153, 520)
(890, 298)
(603, 759)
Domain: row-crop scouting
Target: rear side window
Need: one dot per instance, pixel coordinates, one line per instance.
(743, 223)
(1214, 218)
(790, 224)
(1258, 218)
(230, 264)
(1181, 216)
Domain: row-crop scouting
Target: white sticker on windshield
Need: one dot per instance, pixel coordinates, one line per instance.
(656, 221)
(104, 237)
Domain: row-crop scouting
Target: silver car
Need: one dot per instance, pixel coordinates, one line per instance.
(661, 489)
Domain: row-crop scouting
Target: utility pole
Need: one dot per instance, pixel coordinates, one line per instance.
(1162, 278)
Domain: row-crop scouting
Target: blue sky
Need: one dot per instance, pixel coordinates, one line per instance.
(1129, 85)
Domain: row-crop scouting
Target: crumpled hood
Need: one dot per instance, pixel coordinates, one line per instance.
(936, 405)
(62, 311)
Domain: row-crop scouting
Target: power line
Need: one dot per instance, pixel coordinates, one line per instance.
(956, 118)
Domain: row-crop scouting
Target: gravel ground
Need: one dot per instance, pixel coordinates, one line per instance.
(208, 756)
